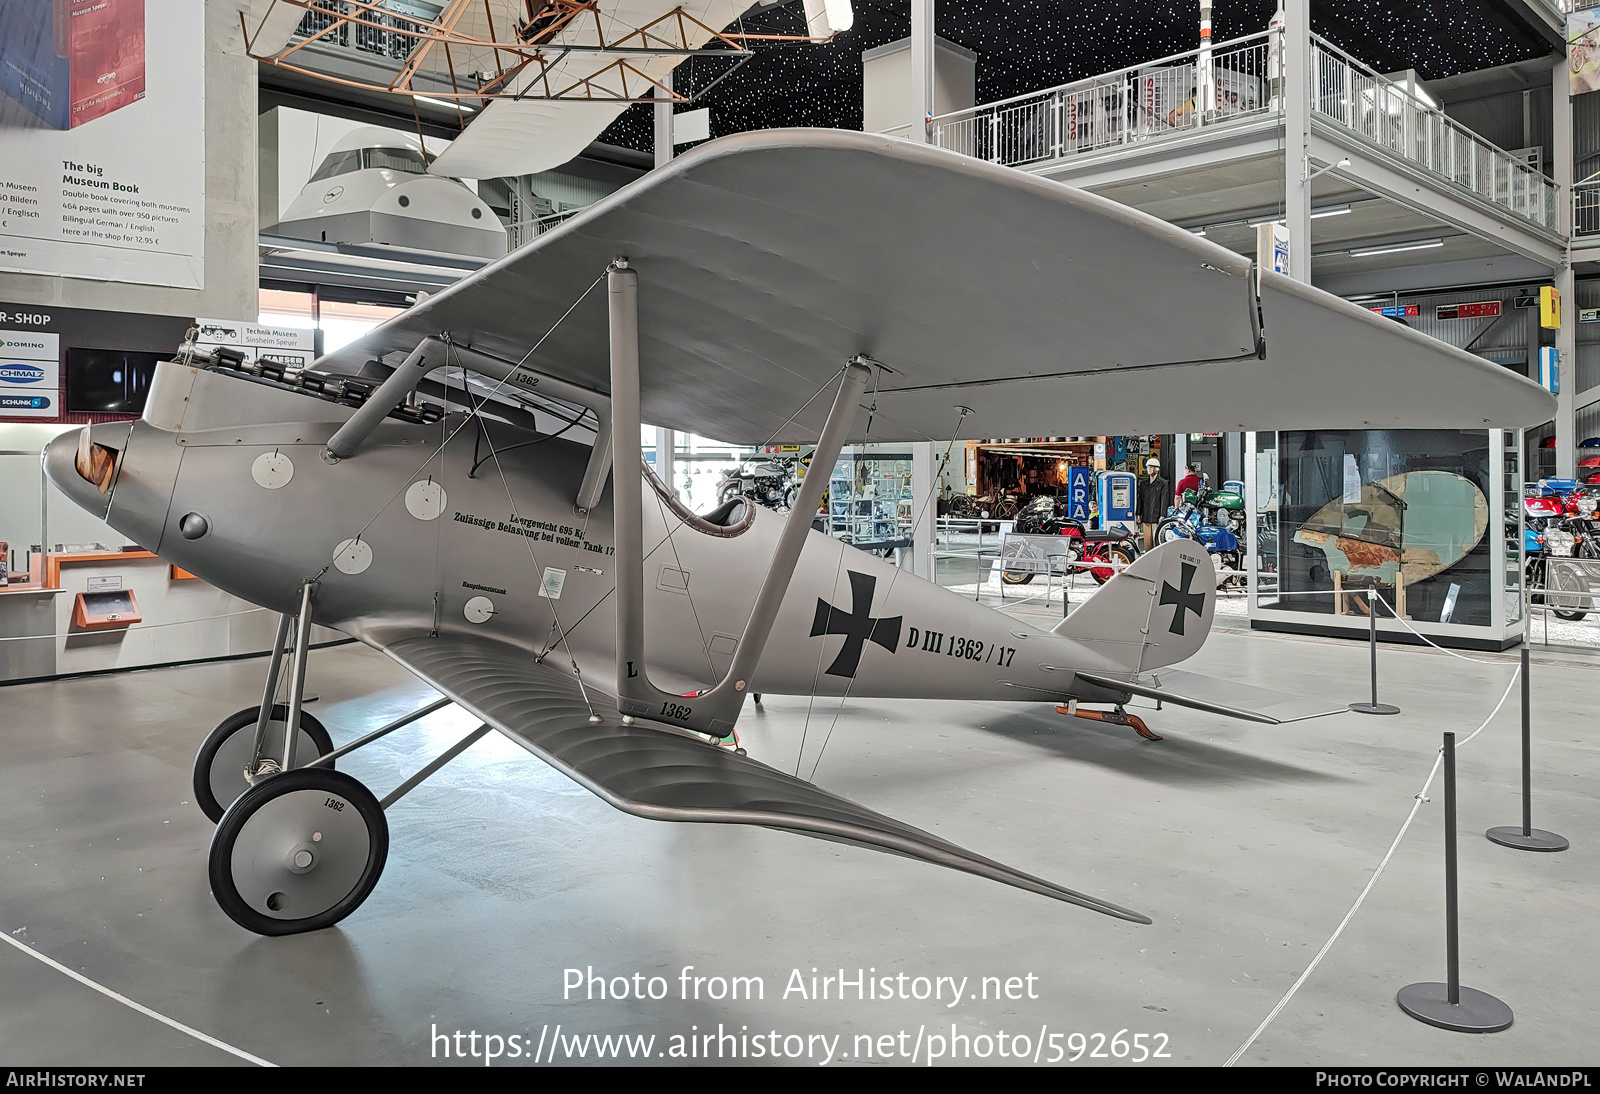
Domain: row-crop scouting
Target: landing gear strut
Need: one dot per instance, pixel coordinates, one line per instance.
(298, 846)
(252, 742)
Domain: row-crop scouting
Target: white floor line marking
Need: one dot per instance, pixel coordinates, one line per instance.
(125, 1001)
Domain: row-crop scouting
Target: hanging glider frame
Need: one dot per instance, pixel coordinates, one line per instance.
(532, 56)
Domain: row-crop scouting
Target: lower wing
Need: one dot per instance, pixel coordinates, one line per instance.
(662, 774)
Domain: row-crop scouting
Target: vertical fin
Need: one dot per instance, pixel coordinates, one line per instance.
(1156, 612)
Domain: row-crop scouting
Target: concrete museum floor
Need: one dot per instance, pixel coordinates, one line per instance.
(1246, 844)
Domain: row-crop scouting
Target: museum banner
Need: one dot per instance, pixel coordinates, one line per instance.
(1583, 51)
(102, 140)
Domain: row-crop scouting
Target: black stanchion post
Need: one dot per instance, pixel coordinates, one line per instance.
(1450, 1005)
(1527, 837)
(1373, 707)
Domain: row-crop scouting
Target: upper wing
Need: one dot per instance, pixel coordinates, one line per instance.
(665, 775)
(768, 259)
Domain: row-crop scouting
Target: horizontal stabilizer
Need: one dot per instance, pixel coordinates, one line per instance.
(665, 775)
(1191, 689)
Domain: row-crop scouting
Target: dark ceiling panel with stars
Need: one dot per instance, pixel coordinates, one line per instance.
(1026, 45)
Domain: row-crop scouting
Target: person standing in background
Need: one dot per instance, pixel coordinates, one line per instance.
(1154, 493)
(1192, 481)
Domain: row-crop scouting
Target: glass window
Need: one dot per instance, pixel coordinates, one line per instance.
(396, 159)
(1401, 512)
(339, 163)
(341, 323)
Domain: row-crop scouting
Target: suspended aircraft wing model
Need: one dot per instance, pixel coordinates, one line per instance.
(463, 488)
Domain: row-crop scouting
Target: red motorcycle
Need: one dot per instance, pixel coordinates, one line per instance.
(1046, 516)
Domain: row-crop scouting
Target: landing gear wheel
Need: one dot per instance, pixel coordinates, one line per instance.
(298, 852)
(220, 763)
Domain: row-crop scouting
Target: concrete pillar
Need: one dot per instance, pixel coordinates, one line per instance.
(1566, 337)
(922, 35)
(1297, 134)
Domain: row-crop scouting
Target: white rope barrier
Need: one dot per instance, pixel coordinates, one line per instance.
(1421, 798)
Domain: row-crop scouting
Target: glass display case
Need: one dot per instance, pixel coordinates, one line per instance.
(870, 499)
(1420, 524)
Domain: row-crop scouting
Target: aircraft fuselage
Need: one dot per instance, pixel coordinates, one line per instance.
(404, 539)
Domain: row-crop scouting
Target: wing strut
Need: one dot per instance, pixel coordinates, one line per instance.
(716, 710)
(432, 353)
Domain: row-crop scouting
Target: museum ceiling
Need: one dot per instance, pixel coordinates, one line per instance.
(1026, 45)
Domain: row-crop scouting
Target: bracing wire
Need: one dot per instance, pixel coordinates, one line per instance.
(699, 627)
(473, 415)
(533, 556)
(916, 523)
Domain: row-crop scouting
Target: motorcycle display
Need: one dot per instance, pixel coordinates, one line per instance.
(1214, 520)
(988, 507)
(1047, 516)
(1558, 525)
(773, 483)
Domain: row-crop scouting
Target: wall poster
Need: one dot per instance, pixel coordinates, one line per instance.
(102, 140)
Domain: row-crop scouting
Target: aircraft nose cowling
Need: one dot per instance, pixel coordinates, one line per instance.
(82, 464)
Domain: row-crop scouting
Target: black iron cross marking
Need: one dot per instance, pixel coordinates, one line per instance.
(858, 627)
(1183, 599)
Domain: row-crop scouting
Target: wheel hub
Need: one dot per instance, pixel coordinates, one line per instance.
(300, 854)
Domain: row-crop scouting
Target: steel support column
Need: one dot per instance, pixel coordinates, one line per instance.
(922, 47)
(1297, 135)
(663, 128)
(1566, 284)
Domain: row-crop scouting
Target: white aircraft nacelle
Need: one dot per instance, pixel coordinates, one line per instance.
(373, 187)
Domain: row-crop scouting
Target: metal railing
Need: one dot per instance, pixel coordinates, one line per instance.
(1586, 209)
(1385, 113)
(1571, 591)
(1161, 100)
(1129, 106)
(371, 41)
(523, 231)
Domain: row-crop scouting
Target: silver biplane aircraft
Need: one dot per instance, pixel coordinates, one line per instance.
(439, 490)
